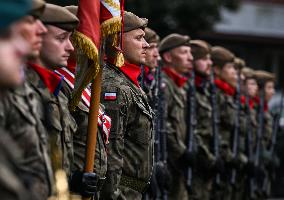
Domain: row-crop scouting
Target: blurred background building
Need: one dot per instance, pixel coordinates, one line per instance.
(255, 32)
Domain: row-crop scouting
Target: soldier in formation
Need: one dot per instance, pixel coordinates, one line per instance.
(180, 119)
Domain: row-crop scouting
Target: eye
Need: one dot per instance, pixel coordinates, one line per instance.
(61, 38)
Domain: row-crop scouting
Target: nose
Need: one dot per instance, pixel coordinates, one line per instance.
(41, 29)
(69, 46)
(145, 44)
(156, 52)
(190, 56)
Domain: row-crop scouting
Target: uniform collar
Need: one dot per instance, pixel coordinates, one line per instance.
(257, 103)
(178, 79)
(132, 71)
(251, 102)
(51, 80)
(225, 87)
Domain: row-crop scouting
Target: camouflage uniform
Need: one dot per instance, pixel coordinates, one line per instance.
(19, 116)
(130, 151)
(81, 115)
(202, 178)
(175, 100)
(12, 179)
(57, 119)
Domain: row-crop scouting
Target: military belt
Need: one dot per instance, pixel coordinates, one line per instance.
(134, 183)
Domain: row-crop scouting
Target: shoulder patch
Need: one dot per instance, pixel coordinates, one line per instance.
(110, 96)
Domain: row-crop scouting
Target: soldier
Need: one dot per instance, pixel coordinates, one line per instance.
(81, 116)
(60, 124)
(176, 54)
(152, 56)
(13, 48)
(226, 81)
(207, 164)
(268, 161)
(130, 151)
(19, 115)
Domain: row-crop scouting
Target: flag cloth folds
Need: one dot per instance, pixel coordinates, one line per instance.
(99, 19)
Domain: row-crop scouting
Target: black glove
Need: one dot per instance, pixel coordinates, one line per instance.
(84, 183)
(188, 159)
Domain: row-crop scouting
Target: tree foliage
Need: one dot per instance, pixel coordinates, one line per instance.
(182, 16)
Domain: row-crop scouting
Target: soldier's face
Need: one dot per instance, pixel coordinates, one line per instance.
(181, 59)
(13, 51)
(269, 90)
(252, 87)
(229, 74)
(33, 30)
(203, 65)
(152, 55)
(57, 47)
(135, 46)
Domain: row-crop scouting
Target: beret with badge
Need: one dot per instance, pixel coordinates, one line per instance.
(239, 63)
(199, 49)
(132, 22)
(73, 9)
(13, 10)
(220, 56)
(151, 36)
(60, 17)
(263, 76)
(248, 73)
(38, 7)
(172, 41)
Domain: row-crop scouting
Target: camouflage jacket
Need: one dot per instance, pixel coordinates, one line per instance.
(12, 179)
(228, 115)
(175, 103)
(19, 116)
(81, 115)
(58, 121)
(130, 151)
(203, 128)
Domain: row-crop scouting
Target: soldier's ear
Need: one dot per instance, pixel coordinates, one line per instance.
(217, 70)
(167, 57)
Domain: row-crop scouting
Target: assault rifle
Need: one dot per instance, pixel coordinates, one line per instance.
(191, 123)
(236, 135)
(215, 121)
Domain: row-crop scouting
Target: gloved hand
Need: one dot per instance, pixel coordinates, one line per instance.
(84, 183)
(188, 159)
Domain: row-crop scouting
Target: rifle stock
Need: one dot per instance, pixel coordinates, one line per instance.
(215, 121)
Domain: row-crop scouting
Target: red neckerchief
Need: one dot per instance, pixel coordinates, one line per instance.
(199, 81)
(177, 78)
(225, 87)
(251, 102)
(146, 70)
(257, 103)
(51, 80)
(132, 71)
(71, 65)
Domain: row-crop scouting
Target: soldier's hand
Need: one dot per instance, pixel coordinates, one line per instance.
(84, 183)
(188, 159)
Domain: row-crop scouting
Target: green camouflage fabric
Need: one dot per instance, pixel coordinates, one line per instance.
(81, 115)
(58, 121)
(130, 151)
(202, 179)
(175, 103)
(12, 182)
(19, 116)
